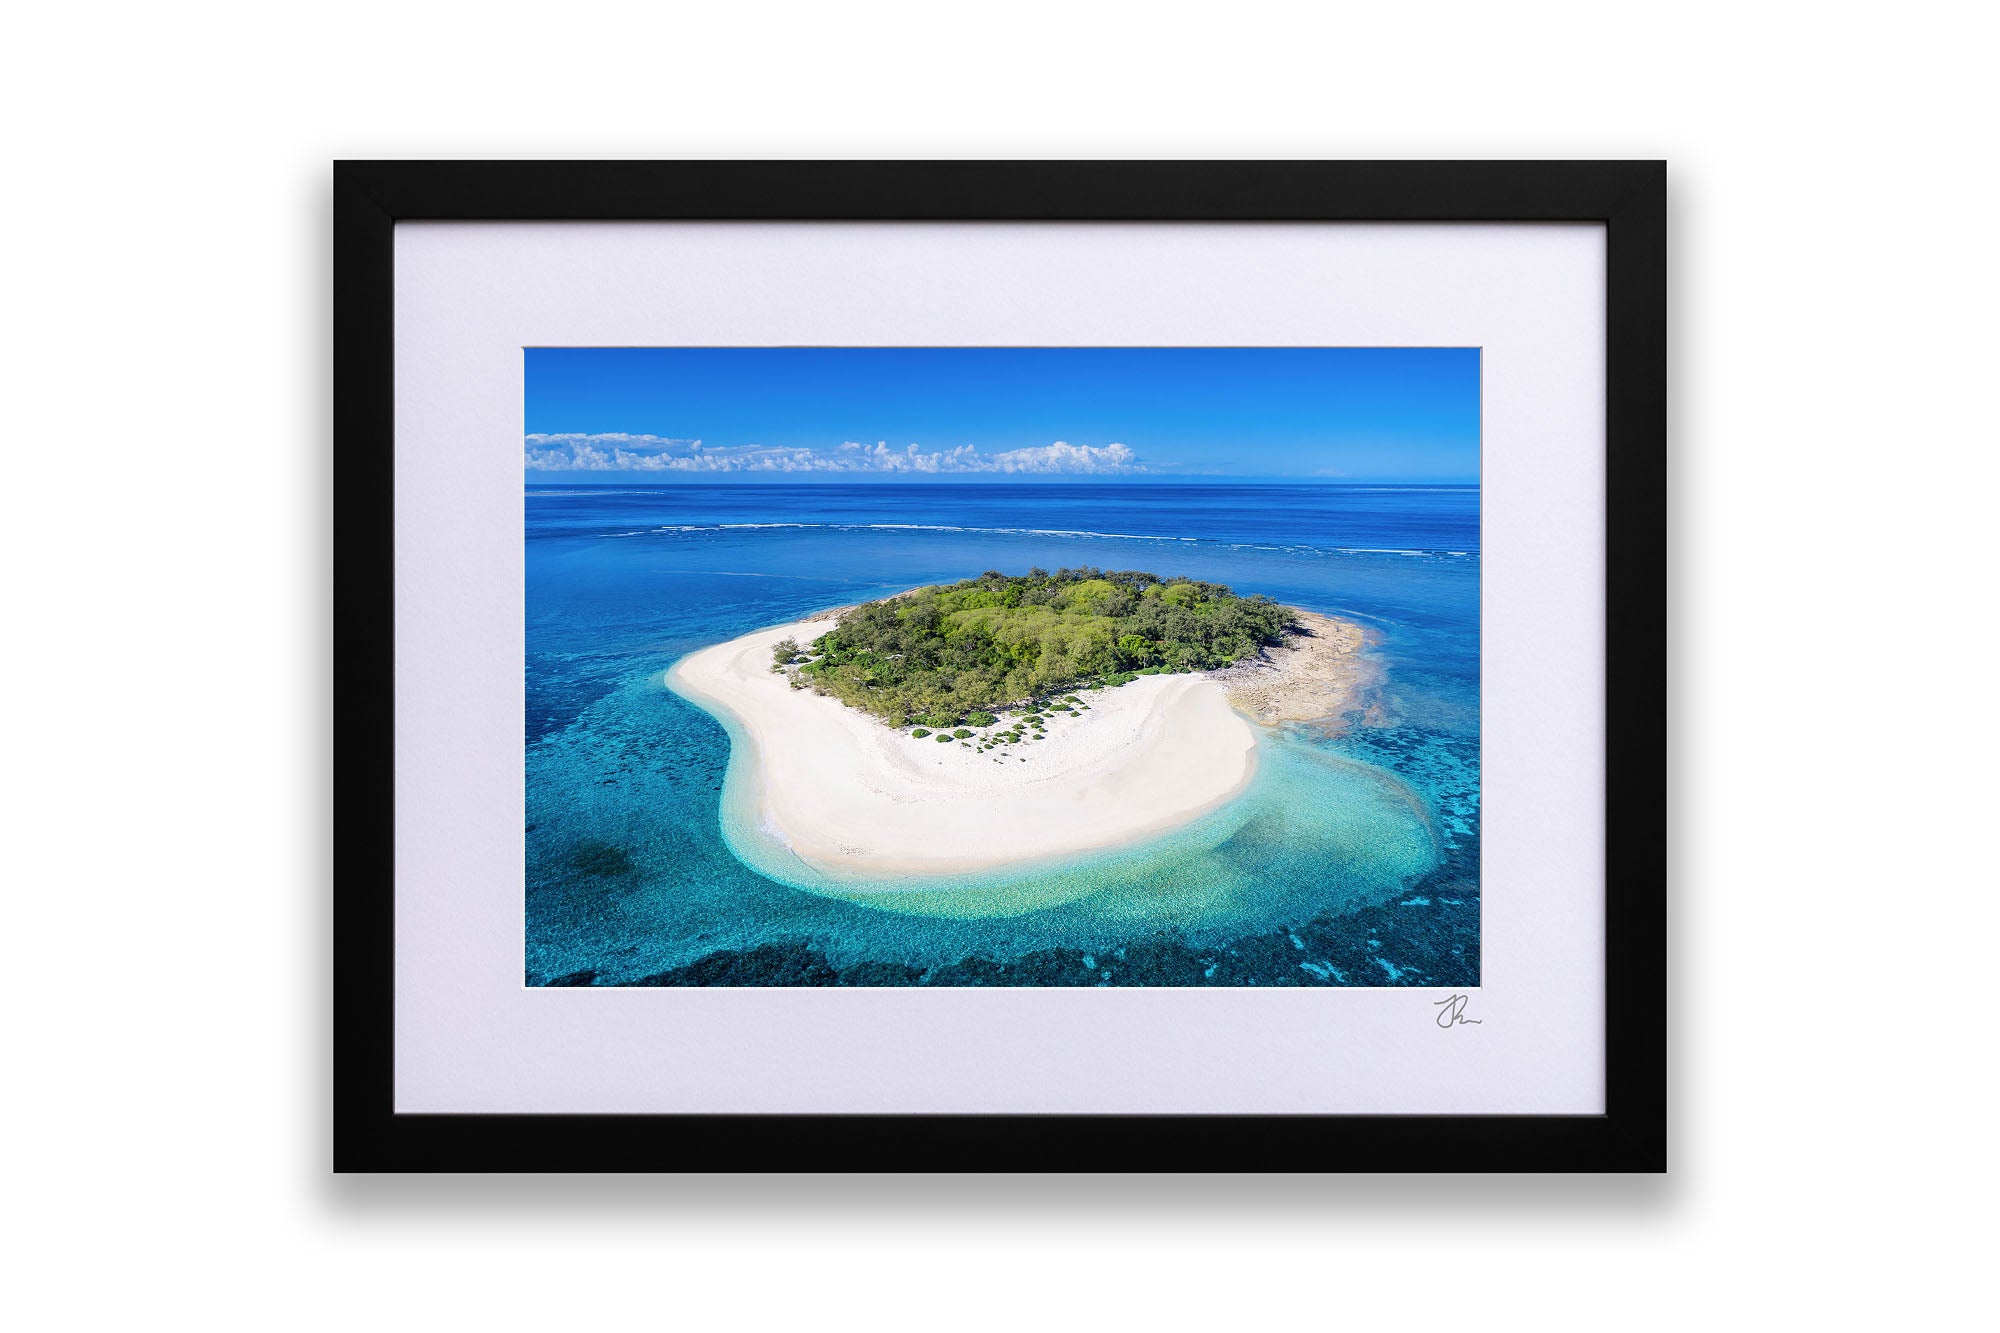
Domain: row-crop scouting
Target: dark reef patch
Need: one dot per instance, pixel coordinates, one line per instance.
(593, 856)
(790, 964)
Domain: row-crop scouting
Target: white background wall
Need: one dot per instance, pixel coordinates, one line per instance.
(167, 535)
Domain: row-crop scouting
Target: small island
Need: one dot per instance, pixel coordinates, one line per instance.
(1010, 718)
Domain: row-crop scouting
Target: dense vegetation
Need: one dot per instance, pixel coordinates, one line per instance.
(960, 653)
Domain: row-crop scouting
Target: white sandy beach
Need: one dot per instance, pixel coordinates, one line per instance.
(853, 798)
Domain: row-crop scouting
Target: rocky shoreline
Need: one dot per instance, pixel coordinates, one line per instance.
(1320, 674)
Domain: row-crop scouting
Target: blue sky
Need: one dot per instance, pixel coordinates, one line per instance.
(1019, 414)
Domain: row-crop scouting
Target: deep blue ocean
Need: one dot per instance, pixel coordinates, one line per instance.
(1352, 860)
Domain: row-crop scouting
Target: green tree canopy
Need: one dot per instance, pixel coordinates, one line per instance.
(945, 655)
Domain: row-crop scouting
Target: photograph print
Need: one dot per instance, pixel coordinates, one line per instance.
(976, 666)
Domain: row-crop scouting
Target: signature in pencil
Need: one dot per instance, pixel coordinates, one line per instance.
(1451, 1011)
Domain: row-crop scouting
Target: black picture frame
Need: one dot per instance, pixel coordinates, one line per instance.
(1628, 197)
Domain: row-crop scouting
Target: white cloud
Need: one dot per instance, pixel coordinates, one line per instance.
(619, 452)
(1065, 457)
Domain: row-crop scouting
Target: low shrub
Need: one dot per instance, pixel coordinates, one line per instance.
(921, 732)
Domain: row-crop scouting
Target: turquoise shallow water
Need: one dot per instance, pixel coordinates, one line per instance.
(1350, 859)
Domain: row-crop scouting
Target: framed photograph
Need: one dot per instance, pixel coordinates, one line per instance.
(910, 666)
